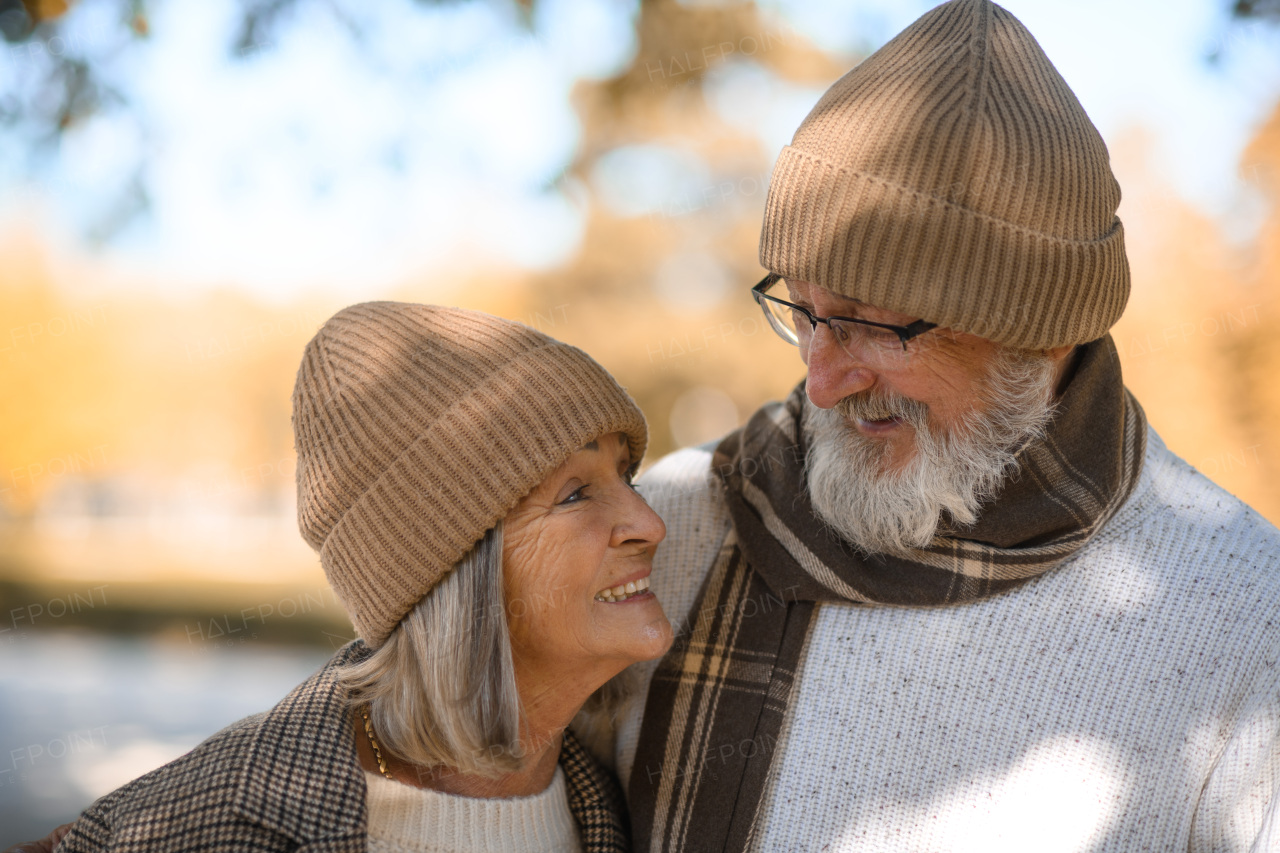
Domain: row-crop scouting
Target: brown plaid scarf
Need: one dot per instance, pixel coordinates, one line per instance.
(717, 700)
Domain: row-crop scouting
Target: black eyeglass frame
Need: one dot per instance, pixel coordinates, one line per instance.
(904, 333)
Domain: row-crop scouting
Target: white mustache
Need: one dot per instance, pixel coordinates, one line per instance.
(953, 469)
(881, 405)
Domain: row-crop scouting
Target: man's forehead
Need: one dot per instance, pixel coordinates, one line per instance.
(830, 295)
(837, 304)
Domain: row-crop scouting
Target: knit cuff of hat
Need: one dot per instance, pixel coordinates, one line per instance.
(903, 250)
(395, 541)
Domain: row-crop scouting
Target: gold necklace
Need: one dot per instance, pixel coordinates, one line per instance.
(377, 753)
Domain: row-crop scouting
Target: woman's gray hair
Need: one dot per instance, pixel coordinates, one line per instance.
(442, 689)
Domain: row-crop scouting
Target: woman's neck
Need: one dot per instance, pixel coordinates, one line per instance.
(540, 746)
(549, 700)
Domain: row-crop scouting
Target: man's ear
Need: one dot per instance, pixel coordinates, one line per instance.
(1063, 365)
(1059, 353)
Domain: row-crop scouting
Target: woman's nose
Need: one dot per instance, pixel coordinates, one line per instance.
(639, 523)
(833, 373)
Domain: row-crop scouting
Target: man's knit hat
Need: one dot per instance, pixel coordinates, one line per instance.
(418, 428)
(953, 176)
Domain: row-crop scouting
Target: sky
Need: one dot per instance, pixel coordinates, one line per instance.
(438, 144)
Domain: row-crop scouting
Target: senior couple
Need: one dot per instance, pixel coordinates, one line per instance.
(953, 593)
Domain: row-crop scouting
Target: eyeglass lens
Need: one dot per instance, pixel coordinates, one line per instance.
(882, 346)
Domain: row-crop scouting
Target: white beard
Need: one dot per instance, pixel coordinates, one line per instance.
(952, 471)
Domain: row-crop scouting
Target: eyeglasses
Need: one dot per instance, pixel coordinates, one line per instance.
(880, 343)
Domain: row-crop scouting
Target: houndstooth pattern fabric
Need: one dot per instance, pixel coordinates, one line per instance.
(289, 780)
(595, 799)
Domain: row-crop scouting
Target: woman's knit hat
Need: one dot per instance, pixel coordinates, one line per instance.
(953, 176)
(418, 428)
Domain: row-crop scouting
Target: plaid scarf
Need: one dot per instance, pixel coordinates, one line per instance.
(717, 700)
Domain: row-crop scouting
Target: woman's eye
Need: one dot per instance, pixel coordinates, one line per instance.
(578, 494)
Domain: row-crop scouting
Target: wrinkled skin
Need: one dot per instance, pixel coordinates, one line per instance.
(946, 370)
(583, 529)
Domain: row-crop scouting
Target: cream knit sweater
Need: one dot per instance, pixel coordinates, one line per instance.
(404, 819)
(1127, 700)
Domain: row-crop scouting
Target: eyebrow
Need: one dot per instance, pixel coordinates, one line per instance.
(594, 445)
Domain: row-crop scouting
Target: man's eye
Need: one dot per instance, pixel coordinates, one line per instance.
(883, 337)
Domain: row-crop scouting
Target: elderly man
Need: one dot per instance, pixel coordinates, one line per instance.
(953, 593)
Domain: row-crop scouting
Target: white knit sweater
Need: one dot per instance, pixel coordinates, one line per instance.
(404, 819)
(1127, 700)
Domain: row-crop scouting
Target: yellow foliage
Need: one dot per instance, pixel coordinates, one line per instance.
(1197, 339)
(160, 402)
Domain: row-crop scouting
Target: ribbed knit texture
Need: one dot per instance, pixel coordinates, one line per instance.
(1127, 700)
(418, 427)
(404, 819)
(953, 176)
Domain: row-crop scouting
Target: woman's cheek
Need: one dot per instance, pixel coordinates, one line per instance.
(524, 552)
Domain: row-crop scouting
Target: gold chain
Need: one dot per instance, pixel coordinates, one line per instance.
(377, 753)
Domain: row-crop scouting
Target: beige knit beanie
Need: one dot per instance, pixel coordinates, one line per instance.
(418, 427)
(953, 176)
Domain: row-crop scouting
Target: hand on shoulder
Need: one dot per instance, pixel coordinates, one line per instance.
(44, 845)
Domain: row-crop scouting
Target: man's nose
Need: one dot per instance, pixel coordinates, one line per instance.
(833, 373)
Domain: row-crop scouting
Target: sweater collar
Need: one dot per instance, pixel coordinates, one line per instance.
(314, 794)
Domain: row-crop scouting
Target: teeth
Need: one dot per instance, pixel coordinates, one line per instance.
(622, 592)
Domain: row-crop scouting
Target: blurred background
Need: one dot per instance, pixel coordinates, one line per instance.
(188, 189)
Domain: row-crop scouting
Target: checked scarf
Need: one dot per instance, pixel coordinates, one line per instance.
(716, 704)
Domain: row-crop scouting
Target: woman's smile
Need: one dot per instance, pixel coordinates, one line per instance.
(627, 591)
(586, 534)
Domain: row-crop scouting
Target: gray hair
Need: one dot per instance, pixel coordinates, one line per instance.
(442, 689)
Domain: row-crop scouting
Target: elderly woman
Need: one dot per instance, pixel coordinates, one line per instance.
(467, 483)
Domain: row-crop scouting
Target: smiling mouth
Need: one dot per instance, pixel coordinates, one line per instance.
(624, 591)
(878, 424)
